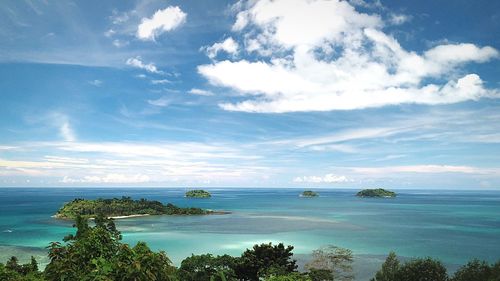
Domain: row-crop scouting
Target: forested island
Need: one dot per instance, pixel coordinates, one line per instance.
(123, 207)
(198, 193)
(378, 192)
(97, 253)
(309, 193)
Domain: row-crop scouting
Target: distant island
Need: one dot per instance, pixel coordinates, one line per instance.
(378, 192)
(309, 193)
(123, 207)
(198, 193)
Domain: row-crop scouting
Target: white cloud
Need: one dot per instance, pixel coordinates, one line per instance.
(126, 162)
(425, 169)
(328, 178)
(162, 21)
(371, 4)
(67, 132)
(324, 55)
(109, 178)
(398, 19)
(149, 67)
(229, 46)
(161, 81)
(326, 141)
(161, 102)
(200, 92)
(109, 33)
(120, 43)
(96, 83)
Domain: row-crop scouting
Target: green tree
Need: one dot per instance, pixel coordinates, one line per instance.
(389, 269)
(95, 253)
(207, 267)
(263, 259)
(13, 271)
(320, 274)
(13, 265)
(477, 270)
(425, 269)
(336, 260)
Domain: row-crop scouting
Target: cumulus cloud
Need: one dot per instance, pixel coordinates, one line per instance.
(324, 55)
(162, 21)
(137, 63)
(328, 178)
(229, 46)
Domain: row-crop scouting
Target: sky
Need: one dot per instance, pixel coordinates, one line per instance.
(284, 93)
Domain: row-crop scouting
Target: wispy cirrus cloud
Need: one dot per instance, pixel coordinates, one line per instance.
(426, 169)
(200, 92)
(126, 162)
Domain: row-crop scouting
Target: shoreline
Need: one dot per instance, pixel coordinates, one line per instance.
(147, 215)
(112, 217)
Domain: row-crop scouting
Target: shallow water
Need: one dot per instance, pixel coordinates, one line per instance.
(452, 226)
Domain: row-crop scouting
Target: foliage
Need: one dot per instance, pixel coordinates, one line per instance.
(478, 271)
(13, 271)
(124, 206)
(320, 274)
(95, 253)
(207, 268)
(422, 269)
(198, 193)
(294, 276)
(333, 259)
(265, 259)
(171, 209)
(389, 269)
(379, 192)
(309, 193)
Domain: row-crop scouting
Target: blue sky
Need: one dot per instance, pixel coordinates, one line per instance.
(285, 93)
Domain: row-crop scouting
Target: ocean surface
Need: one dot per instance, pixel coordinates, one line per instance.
(454, 226)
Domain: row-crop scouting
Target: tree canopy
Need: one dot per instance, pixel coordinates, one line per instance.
(198, 193)
(124, 206)
(378, 192)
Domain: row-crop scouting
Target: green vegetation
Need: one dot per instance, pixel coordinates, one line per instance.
(379, 192)
(124, 206)
(198, 193)
(309, 193)
(97, 253)
(478, 270)
(13, 271)
(431, 269)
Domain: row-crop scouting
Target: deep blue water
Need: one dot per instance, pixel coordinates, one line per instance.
(450, 225)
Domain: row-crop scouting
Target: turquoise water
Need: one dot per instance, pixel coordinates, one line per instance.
(453, 226)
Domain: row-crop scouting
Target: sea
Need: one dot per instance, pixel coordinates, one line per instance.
(453, 226)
